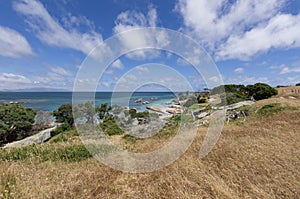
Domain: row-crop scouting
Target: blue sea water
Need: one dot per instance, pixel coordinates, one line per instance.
(49, 101)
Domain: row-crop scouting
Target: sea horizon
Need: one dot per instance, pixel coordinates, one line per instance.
(50, 101)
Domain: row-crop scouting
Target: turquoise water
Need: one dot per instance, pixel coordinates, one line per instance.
(49, 101)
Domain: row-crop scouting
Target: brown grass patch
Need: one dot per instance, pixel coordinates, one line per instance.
(260, 159)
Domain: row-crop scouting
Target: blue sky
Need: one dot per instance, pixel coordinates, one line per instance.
(43, 43)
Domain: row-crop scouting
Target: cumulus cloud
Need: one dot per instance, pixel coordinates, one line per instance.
(13, 44)
(61, 71)
(240, 29)
(13, 78)
(239, 70)
(131, 19)
(118, 64)
(286, 70)
(52, 33)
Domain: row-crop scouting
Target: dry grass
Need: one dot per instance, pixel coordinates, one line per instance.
(260, 159)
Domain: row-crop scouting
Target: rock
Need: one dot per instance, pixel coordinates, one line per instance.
(146, 102)
(154, 109)
(174, 110)
(175, 106)
(134, 109)
(236, 105)
(34, 139)
(153, 98)
(138, 101)
(202, 115)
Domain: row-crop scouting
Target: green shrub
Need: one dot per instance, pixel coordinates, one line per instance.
(15, 122)
(64, 136)
(43, 153)
(202, 100)
(271, 109)
(110, 127)
(64, 114)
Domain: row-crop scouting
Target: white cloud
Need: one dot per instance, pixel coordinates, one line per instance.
(6, 78)
(239, 70)
(143, 69)
(13, 44)
(129, 20)
(181, 62)
(51, 32)
(286, 70)
(241, 29)
(246, 80)
(118, 64)
(61, 71)
(281, 32)
(277, 67)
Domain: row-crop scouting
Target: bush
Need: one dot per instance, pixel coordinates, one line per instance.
(69, 153)
(64, 114)
(110, 127)
(232, 98)
(202, 100)
(271, 109)
(15, 122)
(191, 101)
(236, 93)
(261, 91)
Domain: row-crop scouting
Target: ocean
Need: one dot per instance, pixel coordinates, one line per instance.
(50, 101)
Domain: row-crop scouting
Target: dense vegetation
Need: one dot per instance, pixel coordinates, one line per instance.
(236, 93)
(16, 122)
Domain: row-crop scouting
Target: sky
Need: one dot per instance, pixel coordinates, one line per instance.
(44, 44)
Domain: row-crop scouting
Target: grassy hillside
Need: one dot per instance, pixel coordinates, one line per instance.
(257, 159)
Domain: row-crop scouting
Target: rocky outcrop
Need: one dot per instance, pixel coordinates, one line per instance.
(236, 105)
(34, 139)
(138, 101)
(156, 109)
(174, 110)
(146, 102)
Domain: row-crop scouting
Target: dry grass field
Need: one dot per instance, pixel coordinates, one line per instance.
(257, 159)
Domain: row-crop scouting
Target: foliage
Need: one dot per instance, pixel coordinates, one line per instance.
(63, 136)
(108, 123)
(232, 98)
(85, 112)
(261, 91)
(168, 131)
(190, 101)
(271, 109)
(298, 84)
(15, 122)
(103, 111)
(64, 114)
(134, 114)
(110, 127)
(67, 153)
(236, 93)
(201, 100)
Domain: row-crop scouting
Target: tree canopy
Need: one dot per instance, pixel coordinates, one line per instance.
(237, 92)
(15, 122)
(64, 114)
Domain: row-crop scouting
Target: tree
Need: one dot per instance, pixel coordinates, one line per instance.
(15, 122)
(103, 111)
(298, 84)
(108, 123)
(64, 114)
(261, 91)
(85, 112)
